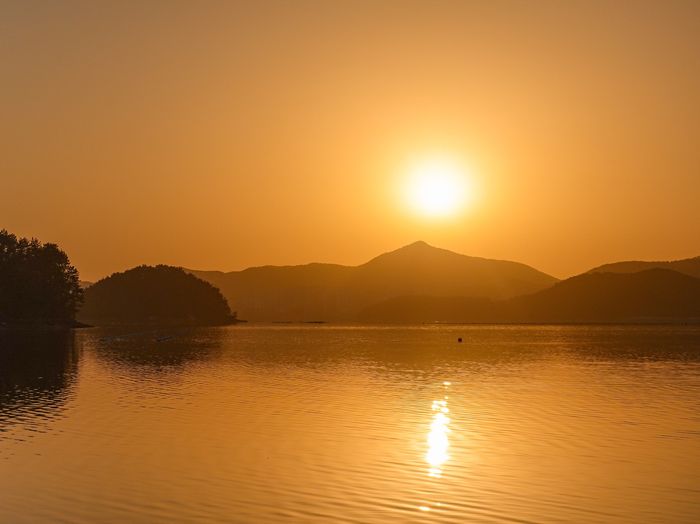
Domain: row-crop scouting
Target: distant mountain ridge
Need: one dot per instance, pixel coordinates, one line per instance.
(334, 292)
(652, 295)
(655, 294)
(422, 283)
(688, 266)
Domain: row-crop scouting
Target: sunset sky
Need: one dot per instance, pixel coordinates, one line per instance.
(217, 135)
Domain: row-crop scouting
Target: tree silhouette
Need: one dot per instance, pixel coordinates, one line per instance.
(37, 282)
(160, 294)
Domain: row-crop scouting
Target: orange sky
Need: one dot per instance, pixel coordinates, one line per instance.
(219, 136)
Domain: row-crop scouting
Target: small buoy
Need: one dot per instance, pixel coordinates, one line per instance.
(459, 340)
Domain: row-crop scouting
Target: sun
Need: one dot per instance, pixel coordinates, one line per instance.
(437, 187)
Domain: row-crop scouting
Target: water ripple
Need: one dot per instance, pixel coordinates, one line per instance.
(355, 424)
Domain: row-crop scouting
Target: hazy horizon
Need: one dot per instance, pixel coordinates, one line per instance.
(226, 270)
(224, 136)
(432, 245)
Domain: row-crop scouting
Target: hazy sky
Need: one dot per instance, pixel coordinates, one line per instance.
(219, 135)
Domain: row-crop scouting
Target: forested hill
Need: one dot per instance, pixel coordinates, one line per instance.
(154, 295)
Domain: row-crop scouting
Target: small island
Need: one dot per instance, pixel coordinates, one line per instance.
(156, 295)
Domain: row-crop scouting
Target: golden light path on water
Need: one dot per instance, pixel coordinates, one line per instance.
(438, 439)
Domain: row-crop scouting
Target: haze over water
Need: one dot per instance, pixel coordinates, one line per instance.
(352, 424)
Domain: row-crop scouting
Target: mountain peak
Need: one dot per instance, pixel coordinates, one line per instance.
(417, 244)
(417, 250)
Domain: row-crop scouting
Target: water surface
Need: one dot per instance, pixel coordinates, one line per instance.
(352, 424)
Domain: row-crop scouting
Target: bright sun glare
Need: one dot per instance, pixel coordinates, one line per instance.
(436, 187)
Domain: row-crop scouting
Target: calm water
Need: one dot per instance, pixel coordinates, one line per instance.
(352, 424)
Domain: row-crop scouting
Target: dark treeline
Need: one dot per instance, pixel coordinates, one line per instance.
(38, 285)
(154, 295)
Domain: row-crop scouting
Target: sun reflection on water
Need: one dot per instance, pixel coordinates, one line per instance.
(438, 437)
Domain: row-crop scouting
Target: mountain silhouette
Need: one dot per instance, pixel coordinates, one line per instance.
(653, 295)
(688, 266)
(335, 293)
